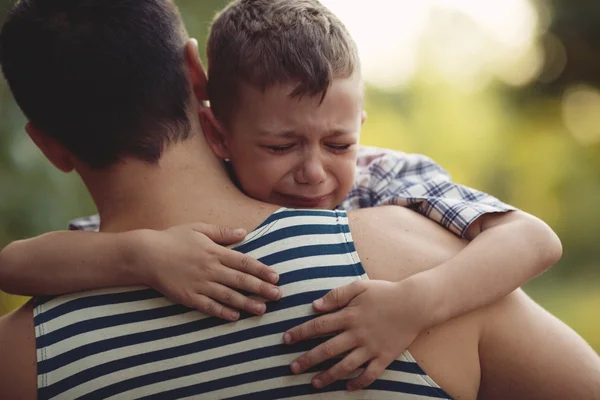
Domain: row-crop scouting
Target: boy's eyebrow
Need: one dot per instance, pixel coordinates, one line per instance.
(339, 132)
(287, 134)
(293, 134)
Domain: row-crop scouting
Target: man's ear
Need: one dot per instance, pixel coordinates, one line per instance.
(214, 132)
(59, 156)
(196, 71)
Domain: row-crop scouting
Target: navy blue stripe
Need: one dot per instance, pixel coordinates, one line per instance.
(290, 232)
(198, 368)
(307, 251)
(94, 301)
(218, 384)
(109, 321)
(229, 360)
(167, 353)
(290, 391)
(287, 213)
(89, 349)
(318, 272)
(340, 386)
(41, 300)
(380, 384)
(406, 366)
(120, 319)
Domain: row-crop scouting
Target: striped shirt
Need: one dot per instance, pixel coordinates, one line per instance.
(388, 177)
(134, 343)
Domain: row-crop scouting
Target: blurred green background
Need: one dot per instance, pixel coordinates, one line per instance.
(504, 94)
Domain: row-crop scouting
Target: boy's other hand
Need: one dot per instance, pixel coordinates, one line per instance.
(190, 266)
(375, 322)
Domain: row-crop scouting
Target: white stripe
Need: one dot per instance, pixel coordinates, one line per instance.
(291, 380)
(233, 370)
(112, 332)
(328, 261)
(365, 394)
(148, 325)
(192, 337)
(298, 220)
(82, 295)
(104, 311)
(291, 243)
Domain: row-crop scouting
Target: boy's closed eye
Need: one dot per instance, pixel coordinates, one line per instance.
(280, 148)
(283, 148)
(339, 147)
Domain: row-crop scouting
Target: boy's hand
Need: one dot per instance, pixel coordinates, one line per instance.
(376, 322)
(186, 264)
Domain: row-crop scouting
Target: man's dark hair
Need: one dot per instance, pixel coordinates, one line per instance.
(269, 42)
(105, 78)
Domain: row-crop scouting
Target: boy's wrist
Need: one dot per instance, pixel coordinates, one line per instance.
(431, 294)
(417, 291)
(134, 247)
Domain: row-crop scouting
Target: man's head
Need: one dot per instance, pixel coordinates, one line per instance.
(102, 79)
(286, 98)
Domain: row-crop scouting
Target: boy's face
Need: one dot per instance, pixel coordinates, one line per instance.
(296, 152)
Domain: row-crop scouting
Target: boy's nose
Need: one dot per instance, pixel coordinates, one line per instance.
(311, 172)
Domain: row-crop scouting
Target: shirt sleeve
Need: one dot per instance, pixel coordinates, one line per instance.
(91, 223)
(387, 177)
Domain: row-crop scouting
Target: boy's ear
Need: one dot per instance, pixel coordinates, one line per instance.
(196, 70)
(60, 157)
(214, 132)
(363, 118)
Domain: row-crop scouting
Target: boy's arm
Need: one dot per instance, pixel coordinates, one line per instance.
(66, 262)
(507, 249)
(182, 262)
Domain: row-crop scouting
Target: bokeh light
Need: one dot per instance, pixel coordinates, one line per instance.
(467, 42)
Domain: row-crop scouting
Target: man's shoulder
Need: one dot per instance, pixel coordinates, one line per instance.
(394, 242)
(393, 220)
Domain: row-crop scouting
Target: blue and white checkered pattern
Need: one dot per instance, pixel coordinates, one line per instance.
(387, 177)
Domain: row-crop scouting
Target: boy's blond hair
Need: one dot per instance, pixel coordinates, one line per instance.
(268, 42)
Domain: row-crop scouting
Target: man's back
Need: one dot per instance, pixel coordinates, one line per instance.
(135, 343)
(393, 244)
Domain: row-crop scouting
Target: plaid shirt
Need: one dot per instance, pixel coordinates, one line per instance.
(415, 181)
(387, 177)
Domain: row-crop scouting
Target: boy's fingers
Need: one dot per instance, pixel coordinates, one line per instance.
(323, 325)
(348, 365)
(220, 234)
(245, 263)
(369, 375)
(237, 300)
(210, 307)
(241, 281)
(338, 297)
(331, 348)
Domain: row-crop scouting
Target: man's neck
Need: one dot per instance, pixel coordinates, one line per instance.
(189, 185)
